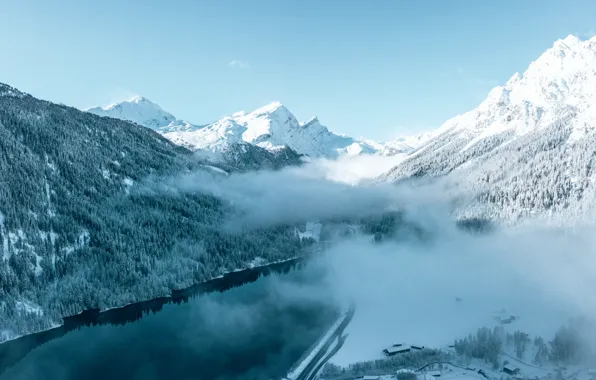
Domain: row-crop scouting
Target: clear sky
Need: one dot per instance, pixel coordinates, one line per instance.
(376, 68)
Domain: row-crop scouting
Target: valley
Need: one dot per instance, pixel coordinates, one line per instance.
(94, 216)
(255, 331)
(13, 351)
(135, 244)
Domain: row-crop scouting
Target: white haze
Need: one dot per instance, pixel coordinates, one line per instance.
(407, 292)
(353, 170)
(302, 194)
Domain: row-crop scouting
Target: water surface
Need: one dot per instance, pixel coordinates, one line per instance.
(256, 331)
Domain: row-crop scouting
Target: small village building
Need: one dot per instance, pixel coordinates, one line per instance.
(417, 347)
(510, 369)
(435, 373)
(396, 350)
(370, 377)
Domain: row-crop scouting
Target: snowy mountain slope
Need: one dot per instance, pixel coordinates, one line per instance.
(528, 147)
(406, 144)
(271, 127)
(86, 220)
(139, 110)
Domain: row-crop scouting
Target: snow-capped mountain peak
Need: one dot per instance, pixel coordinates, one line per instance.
(529, 146)
(137, 109)
(561, 80)
(270, 108)
(570, 40)
(272, 127)
(139, 99)
(312, 121)
(552, 77)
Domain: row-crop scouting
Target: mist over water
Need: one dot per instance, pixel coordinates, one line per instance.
(256, 331)
(404, 289)
(432, 294)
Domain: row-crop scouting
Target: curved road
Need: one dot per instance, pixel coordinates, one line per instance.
(340, 342)
(313, 367)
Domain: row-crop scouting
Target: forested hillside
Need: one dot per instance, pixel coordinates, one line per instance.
(80, 228)
(543, 172)
(244, 157)
(528, 149)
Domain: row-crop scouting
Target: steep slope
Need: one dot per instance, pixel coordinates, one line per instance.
(406, 144)
(528, 148)
(91, 216)
(247, 157)
(139, 110)
(270, 127)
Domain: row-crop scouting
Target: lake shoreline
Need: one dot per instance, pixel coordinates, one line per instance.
(12, 351)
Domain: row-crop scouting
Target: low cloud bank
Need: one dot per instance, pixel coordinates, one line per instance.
(353, 170)
(435, 293)
(253, 332)
(308, 193)
(430, 293)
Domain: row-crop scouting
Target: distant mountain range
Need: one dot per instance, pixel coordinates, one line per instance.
(271, 127)
(95, 211)
(529, 149)
(91, 215)
(89, 219)
(139, 110)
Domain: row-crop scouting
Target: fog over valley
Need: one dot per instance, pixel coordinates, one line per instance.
(258, 244)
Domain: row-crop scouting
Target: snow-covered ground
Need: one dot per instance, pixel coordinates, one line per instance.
(312, 230)
(139, 110)
(435, 323)
(432, 295)
(28, 307)
(270, 127)
(6, 335)
(354, 169)
(471, 371)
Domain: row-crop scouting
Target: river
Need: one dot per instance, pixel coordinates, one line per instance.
(255, 331)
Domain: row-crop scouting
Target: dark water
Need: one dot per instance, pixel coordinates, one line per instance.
(256, 331)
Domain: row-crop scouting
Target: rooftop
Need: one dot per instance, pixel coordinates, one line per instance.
(397, 349)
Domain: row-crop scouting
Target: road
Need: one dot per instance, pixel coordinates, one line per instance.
(340, 342)
(319, 360)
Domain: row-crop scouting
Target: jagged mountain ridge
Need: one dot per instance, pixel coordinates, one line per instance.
(91, 216)
(139, 110)
(528, 148)
(271, 127)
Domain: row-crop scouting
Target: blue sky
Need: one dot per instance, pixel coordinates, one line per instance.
(376, 68)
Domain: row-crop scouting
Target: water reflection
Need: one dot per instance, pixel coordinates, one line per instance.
(255, 331)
